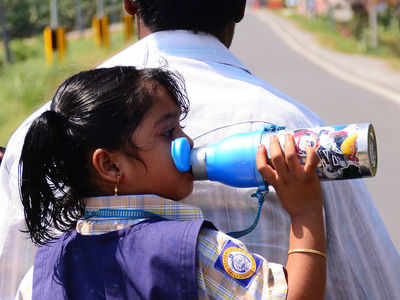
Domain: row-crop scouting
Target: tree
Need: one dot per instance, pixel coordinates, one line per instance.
(17, 16)
(3, 24)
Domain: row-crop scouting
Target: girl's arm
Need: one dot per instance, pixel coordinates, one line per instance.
(299, 191)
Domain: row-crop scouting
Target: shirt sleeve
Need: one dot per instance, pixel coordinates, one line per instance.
(227, 270)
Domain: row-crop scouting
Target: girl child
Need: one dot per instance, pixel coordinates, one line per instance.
(97, 168)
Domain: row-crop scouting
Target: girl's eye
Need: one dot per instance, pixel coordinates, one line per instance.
(169, 133)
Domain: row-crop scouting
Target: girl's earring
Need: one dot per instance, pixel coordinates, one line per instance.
(116, 185)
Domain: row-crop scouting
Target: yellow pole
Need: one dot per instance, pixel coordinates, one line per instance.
(96, 31)
(105, 31)
(48, 45)
(61, 42)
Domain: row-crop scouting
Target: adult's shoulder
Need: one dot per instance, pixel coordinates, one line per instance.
(136, 55)
(236, 95)
(16, 141)
(22, 129)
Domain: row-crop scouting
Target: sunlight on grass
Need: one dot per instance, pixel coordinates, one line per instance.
(30, 82)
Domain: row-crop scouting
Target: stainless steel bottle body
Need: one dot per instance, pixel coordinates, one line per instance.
(347, 151)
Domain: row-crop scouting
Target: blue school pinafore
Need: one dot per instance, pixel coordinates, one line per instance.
(155, 259)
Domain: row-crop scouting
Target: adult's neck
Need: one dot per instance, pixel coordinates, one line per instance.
(225, 37)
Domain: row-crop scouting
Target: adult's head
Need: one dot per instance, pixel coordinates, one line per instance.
(90, 142)
(214, 17)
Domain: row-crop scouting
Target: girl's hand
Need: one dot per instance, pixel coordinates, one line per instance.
(297, 186)
(300, 193)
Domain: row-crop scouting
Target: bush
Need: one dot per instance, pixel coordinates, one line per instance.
(22, 50)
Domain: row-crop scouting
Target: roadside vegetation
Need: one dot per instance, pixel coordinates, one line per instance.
(353, 36)
(29, 82)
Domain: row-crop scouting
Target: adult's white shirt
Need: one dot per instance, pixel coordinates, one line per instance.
(362, 261)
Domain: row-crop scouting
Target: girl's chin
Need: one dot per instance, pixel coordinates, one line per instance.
(184, 192)
(189, 175)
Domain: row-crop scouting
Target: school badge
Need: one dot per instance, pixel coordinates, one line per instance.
(240, 265)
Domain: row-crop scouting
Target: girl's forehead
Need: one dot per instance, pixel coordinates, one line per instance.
(163, 101)
(163, 109)
(164, 112)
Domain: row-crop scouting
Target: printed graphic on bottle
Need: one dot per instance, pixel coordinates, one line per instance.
(347, 151)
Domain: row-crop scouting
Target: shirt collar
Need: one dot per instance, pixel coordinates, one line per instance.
(183, 43)
(165, 208)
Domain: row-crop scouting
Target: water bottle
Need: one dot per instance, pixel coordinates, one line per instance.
(345, 152)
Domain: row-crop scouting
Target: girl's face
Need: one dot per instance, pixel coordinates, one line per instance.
(156, 174)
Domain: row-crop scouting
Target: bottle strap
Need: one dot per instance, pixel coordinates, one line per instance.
(260, 195)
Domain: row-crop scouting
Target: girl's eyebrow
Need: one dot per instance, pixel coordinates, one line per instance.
(167, 117)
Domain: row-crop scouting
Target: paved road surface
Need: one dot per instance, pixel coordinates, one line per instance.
(335, 100)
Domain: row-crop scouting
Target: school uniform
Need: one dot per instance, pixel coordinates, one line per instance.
(177, 255)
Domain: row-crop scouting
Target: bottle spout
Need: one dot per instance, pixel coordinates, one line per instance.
(180, 152)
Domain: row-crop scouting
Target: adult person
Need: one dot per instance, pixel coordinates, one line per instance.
(193, 37)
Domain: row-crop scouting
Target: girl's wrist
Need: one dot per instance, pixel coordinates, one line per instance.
(307, 231)
(312, 220)
(306, 216)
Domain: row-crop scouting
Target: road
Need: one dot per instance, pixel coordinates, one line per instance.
(334, 100)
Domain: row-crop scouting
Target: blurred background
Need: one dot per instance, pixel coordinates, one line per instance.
(29, 72)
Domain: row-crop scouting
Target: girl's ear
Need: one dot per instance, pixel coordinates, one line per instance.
(104, 162)
(131, 7)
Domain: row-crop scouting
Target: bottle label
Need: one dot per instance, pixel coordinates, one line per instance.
(345, 151)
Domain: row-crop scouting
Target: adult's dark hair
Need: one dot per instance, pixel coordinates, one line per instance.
(2, 151)
(210, 16)
(95, 109)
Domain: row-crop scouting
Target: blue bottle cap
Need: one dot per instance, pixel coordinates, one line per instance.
(180, 151)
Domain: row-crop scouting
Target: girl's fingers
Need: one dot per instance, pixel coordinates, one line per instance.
(266, 171)
(292, 160)
(312, 161)
(278, 158)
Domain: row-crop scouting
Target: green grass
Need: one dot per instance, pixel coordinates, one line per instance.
(340, 37)
(30, 82)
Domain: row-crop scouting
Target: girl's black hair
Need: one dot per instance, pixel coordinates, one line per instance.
(99, 108)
